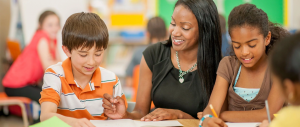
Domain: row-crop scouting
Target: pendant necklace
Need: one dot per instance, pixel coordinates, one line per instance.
(182, 73)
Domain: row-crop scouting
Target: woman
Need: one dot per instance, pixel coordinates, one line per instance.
(23, 76)
(178, 74)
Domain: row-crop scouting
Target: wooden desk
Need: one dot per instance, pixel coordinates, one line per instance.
(189, 122)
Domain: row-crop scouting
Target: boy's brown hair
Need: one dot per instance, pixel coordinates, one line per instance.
(84, 30)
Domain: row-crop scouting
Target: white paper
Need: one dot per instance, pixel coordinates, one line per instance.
(133, 123)
(242, 124)
(113, 123)
(158, 123)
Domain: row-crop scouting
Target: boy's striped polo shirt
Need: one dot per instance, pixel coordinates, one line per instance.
(60, 88)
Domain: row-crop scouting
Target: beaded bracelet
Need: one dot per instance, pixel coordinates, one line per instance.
(203, 118)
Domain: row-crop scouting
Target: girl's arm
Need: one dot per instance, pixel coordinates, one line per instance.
(217, 100)
(217, 96)
(275, 101)
(57, 55)
(44, 54)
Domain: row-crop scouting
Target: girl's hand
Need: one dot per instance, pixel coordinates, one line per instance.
(264, 123)
(214, 122)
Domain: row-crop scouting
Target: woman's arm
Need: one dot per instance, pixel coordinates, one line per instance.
(275, 101)
(142, 107)
(44, 54)
(143, 98)
(143, 102)
(49, 109)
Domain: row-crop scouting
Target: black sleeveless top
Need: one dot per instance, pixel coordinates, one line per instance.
(167, 91)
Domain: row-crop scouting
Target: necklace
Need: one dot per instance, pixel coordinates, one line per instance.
(182, 73)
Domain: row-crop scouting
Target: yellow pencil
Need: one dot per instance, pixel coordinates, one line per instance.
(213, 111)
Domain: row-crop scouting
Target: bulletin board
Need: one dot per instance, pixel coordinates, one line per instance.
(165, 10)
(274, 8)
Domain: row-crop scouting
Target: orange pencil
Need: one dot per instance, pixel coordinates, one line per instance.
(213, 111)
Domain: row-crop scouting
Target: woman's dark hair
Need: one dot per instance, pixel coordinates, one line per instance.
(209, 48)
(250, 15)
(43, 16)
(157, 28)
(285, 58)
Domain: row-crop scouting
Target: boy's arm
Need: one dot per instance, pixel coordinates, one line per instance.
(49, 109)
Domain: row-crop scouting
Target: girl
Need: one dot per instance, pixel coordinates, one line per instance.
(28, 69)
(243, 80)
(285, 67)
(178, 74)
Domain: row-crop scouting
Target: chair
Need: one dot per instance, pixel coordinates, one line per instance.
(14, 48)
(20, 101)
(135, 83)
(131, 106)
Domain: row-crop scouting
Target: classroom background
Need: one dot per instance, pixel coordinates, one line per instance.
(126, 21)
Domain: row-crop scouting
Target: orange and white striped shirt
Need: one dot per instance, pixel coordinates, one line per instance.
(73, 101)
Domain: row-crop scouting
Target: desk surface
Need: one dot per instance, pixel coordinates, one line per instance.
(189, 122)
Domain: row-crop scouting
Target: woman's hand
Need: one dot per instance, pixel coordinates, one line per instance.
(214, 122)
(114, 108)
(162, 114)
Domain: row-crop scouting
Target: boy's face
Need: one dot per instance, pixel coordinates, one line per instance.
(85, 61)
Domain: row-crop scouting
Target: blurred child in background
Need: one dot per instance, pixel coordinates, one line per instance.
(156, 32)
(285, 68)
(27, 70)
(225, 42)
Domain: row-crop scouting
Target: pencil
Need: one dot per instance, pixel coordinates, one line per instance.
(213, 111)
(268, 112)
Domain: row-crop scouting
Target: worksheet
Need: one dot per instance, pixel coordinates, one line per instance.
(134, 123)
(243, 124)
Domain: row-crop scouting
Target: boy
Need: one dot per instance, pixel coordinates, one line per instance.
(73, 89)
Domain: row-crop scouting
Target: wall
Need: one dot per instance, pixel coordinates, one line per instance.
(4, 30)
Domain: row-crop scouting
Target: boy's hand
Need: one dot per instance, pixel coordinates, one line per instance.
(81, 123)
(214, 122)
(114, 108)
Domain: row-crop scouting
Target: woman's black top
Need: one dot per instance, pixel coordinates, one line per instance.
(167, 91)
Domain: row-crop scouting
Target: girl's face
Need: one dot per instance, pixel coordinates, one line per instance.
(51, 26)
(249, 44)
(184, 29)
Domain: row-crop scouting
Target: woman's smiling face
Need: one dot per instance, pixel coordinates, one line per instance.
(184, 29)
